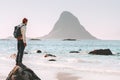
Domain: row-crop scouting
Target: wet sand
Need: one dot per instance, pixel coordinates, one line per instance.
(66, 76)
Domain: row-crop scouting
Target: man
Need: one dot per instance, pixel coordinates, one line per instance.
(21, 42)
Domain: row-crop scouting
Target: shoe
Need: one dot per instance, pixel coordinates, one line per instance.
(21, 65)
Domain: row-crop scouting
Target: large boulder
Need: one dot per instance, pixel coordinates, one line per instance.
(22, 73)
(101, 52)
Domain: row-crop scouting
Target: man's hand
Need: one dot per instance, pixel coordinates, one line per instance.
(25, 44)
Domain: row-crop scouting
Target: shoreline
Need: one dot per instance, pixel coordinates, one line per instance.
(62, 69)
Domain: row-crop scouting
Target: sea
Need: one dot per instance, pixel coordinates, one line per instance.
(81, 61)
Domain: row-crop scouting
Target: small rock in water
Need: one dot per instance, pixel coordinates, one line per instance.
(74, 52)
(13, 56)
(25, 52)
(49, 55)
(38, 51)
(51, 60)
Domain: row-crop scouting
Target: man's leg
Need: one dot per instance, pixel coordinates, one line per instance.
(20, 52)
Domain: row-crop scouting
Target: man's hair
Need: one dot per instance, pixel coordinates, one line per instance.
(24, 20)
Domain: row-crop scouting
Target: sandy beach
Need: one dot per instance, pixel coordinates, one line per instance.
(66, 76)
(44, 68)
(57, 70)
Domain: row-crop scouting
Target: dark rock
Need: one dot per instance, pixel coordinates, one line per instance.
(69, 40)
(13, 56)
(80, 49)
(118, 54)
(49, 55)
(25, 52)
(74, 51)
(34, 39)
(38, 51)
(22, 73)
(51, 60)
(101, 52)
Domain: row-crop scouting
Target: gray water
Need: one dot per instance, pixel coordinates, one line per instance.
(57, 46)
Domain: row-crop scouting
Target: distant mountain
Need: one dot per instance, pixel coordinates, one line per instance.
(68, 27)
(10, 37)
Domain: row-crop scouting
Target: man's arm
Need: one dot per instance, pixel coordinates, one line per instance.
(23, 31)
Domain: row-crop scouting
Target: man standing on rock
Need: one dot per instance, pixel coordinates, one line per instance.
(21, 42)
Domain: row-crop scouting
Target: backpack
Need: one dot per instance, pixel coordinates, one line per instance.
(17, 31)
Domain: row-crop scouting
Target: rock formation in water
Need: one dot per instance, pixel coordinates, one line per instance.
(68, 27)
(101, 52)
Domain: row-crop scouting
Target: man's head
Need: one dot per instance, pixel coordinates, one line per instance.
(25, 20)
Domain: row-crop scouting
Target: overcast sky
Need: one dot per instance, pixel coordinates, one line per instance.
(99, 17)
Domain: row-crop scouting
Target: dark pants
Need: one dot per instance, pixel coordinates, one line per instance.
(20, 47)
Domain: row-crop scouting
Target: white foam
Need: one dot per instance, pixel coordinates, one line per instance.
(87, 69)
